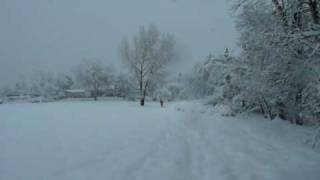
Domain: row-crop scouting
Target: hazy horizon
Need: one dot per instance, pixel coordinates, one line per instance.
(56, 35)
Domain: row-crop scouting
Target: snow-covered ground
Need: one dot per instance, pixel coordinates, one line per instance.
(122, 141)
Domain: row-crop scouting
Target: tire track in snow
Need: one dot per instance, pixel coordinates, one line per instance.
(171, 157)
(209, 150)
(182, 154)
(237, 150)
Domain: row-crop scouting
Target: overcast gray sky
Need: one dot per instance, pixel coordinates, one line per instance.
(55, 35)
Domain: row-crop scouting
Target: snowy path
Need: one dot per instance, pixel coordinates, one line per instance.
(121, 141)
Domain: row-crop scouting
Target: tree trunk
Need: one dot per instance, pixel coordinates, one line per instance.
(283, 114)
(95, 95)
(145, 89)
(141, 80)
(95, 91)
(262, 109)
(281, 12)
(297, 16)
(141, 86)
(271, 115)
(143, 93)
(314, 11)
(142, 101)
(298, 118)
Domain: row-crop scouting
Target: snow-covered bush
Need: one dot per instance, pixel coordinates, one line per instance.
(311, 104)
(210, 77)
(280, 52)
(238, 104)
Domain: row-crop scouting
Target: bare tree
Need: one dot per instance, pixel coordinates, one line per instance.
(147, 56)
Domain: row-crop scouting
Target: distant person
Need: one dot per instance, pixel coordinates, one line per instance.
(161, 102)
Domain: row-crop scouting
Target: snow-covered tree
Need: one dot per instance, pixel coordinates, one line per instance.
(280, 41)
(122, 84)
(45, 84)
(147, 56)
(64, 82)
(94, 76)
(213, 78)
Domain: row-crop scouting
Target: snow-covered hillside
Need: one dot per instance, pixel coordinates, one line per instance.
(121, 140)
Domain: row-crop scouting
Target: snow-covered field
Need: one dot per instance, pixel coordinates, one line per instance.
(122, 141)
